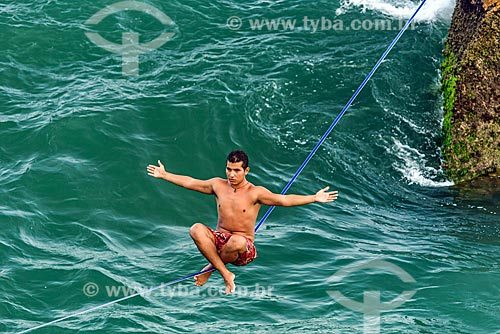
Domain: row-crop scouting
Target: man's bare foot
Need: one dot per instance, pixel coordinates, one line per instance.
(229, 281)
(203, 278)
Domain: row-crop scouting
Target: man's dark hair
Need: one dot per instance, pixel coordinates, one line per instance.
(237, 156)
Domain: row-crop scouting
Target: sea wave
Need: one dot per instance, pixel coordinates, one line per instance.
(415, 167)
(432, 10)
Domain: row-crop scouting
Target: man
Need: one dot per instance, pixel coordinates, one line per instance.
(238, 204)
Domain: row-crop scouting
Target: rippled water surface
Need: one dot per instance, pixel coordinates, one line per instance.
(80, 216)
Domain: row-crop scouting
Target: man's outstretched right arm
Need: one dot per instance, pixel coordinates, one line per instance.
(187, 182)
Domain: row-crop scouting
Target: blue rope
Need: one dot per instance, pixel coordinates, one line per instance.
(145, 292)
(285, 189)
(351, 100)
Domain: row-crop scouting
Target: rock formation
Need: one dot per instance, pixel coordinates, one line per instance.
(471, 88)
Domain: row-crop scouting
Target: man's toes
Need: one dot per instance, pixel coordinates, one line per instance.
(230, 289)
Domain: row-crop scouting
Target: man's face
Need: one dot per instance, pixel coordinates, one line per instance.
(235, 172)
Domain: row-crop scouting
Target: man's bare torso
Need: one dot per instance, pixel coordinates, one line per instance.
(238, 209)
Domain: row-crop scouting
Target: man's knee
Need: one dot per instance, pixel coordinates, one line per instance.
(197, 230)
(237, 243)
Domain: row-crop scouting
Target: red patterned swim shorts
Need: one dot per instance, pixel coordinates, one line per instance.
(245, 257)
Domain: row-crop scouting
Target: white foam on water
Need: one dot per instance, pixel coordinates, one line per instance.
(431, 11)
(413, 165)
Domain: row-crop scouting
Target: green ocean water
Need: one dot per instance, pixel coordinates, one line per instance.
(80, 217)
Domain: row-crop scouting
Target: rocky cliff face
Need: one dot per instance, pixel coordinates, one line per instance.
(471, 87)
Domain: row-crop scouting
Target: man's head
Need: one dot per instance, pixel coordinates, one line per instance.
(237, 156)
(237, 167)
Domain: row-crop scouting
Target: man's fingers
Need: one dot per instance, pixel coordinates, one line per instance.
(326, 188)
(153, 170)
(332, 195)
(328, 196)
(159, 163)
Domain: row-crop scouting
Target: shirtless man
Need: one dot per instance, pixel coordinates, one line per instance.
(238, 204)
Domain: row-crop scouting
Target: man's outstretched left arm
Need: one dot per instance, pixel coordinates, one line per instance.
(322, 196)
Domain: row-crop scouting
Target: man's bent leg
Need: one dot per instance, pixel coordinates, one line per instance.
(228, 254)
(231, 251)
(205, 242)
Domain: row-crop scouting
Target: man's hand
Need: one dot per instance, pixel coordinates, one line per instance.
(325, 197)
(156, 171)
